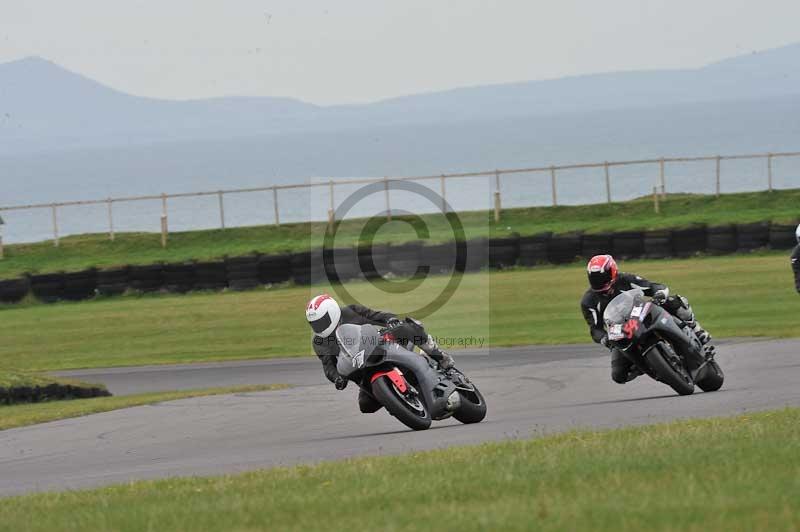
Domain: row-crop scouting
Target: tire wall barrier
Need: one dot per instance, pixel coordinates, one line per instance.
(401, 260)
(50, 392)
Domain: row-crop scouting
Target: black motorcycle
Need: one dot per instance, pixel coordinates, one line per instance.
(411, 386)
(660, 344)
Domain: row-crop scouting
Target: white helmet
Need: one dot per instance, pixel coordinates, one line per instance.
(797, 234)
(323, 313)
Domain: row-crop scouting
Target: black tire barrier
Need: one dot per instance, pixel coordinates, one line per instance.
(148, 278)
(342, 264)
(79, 286)
(48, 288)
(439, 258)
(300, 266)
(533, 249)
(477, 255)
(627, 244)
(14, 290)
(721, 240)
(50, 392)
(657, 244)
(113, 282)
(374, 261)
(242, 272)
(782, 236)
(689, 241)
(503, 252)
(752, 236)
(210, 275)
(404, 259)
(179, 278)
(273, 269)
(563, 249)
(595, 244)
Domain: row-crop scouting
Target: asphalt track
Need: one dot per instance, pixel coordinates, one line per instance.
(529, 390)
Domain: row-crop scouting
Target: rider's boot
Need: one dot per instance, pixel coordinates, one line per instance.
(432, 349)
(686, 313)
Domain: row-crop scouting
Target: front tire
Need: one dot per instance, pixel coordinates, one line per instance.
(411, 413)
(473, 407)
(713, 379)
(669, 372)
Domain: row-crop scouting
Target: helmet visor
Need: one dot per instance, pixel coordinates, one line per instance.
(600, 281)
(321, 324)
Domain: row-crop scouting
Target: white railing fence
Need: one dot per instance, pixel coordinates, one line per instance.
(497, 176)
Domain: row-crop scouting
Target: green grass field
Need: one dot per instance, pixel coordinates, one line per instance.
(80, 252)
(30, 414)
(739, 473)
(748, 295)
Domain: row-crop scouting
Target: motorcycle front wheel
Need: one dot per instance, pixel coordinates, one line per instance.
(473, 407)
(407, 408)
(670, 373)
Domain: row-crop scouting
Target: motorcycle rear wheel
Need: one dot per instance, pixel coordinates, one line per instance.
(713, 379)
(392, 399)
(679, 381)
(473, 407)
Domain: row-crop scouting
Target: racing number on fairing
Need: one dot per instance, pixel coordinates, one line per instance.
(630, 328)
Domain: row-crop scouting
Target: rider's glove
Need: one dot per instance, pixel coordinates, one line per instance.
(391, 323)
(340, 383)
(660, 296)
(604, 342)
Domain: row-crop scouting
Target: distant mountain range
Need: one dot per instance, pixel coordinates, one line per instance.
(44, 107)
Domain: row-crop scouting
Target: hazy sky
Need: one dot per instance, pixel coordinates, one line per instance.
(360, 50)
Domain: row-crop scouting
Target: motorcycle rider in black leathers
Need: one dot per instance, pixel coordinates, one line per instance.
(606, 283)
(796, 261)
(324, 315)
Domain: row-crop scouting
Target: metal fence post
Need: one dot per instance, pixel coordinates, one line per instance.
(388, 205)
(608, 182)
(221, 210)
(331, 212)
(553, 185)
(769, 171)
(164, 221)
(719, 160)
(662, 180)
(110, 219)
(444, 194)
(55, 225)
(497, 200)
(275, 204)
(656, 205)
(2, 251)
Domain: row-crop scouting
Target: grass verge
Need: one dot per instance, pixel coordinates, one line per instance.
(733, 296)
(79, 252)
(30, 414)
(737, 473)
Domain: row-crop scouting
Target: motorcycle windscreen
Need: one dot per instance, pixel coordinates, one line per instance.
(356, 344)
(618, 312)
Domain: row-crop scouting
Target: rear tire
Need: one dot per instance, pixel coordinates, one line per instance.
(473, 407)
(390, 397)
(677, 379)
(713, 379)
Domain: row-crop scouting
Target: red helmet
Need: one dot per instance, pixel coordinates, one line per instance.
(602, 270)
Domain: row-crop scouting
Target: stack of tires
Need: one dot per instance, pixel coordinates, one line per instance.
(79, 286)
(657, 244)
(274, 269)
(14, 290)
(113, 282)
(211, 275)
(373, 261)
(721, 240)
(149, 278)
(476, 254)
(404, 259)
(752, 236)
(341, 265)
(628, 244)
(242, 272)
(48, 287)
(533, 249)
(179, 278)
(440, 258)
(595, 244)
(564, 248)
(690, 241)
(782, 236)
(503, 252)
